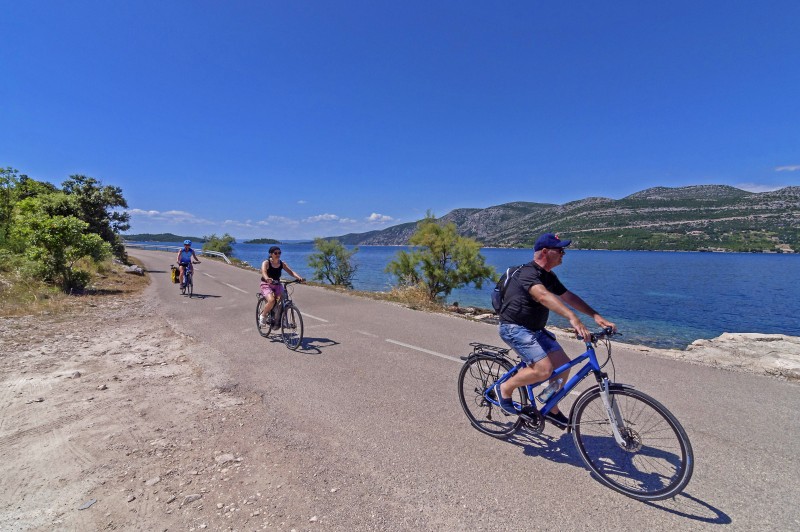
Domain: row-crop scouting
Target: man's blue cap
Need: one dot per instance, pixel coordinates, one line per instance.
(549, 240)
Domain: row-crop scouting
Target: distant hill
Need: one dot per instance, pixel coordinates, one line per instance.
(696, 218)
(160, 237)
(262, 241)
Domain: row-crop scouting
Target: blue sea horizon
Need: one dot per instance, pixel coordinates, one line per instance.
(660, 299)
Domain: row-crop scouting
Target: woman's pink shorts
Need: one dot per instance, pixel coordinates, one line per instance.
(267, 289)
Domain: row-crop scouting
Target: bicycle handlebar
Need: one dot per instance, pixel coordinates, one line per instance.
(604, 332)
(285, 283)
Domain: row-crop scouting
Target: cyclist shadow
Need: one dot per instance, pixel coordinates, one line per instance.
(309, 346)
(203, 296)
(561, 449)
(314, 346)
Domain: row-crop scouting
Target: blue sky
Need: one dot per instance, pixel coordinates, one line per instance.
(295, 119)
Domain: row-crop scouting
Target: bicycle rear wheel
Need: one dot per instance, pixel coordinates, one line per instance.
(263, 331)
(656, 461)
(476, 376)
(292, 327)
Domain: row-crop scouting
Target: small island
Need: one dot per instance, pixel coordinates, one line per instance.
(262, 241)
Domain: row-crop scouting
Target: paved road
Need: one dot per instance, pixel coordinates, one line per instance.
(375, 388)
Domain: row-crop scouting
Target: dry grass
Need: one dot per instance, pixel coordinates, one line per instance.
(22, 295)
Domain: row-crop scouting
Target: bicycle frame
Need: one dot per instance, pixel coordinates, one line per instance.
(281, 302)
(188, 270)
(592, 366)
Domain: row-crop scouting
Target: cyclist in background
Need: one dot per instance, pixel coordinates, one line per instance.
(530, 297)
(185, 258)
(271, 288)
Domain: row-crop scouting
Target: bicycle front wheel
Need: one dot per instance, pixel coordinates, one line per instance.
(292, 327)
(476, 376)
(656, 460)
(190, 287)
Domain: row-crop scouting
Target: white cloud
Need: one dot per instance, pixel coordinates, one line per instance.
(276, 226)
(169, 216)
(277, 220)
(301, 202)
(757, 187)
(375, 217)
(791, 168)
(321, 217)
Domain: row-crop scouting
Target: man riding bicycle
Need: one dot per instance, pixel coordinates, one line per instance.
(530, 296)
(271, 287)
(185, 256)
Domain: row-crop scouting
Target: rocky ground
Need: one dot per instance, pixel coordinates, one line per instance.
(110, 418)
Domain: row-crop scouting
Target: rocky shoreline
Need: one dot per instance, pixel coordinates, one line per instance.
(775, 355)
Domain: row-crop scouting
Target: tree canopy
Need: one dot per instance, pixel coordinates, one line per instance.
(56, 230)
(333, 262)
(441, 261)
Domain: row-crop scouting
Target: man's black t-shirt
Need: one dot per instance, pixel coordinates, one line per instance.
(519, 307)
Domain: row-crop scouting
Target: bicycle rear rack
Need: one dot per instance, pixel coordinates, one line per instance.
(490, 350)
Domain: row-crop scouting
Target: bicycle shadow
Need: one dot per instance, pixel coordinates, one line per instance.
(195, 295)
(308, 346)
(314, 346)
(561, 449)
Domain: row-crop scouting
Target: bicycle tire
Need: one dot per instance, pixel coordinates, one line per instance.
(658, 460)
(183, 286)
(476, 375)
(263, 331)
(292, 327)
(190, 286)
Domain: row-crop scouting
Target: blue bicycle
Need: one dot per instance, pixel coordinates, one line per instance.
(630, 441)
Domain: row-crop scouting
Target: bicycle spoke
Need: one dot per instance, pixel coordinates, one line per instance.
(654, 463)
(478, 375)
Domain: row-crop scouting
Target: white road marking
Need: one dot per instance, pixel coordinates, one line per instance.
(313, 317)
(236, 288)
(365, 333)
(209, 275)
(428, 351)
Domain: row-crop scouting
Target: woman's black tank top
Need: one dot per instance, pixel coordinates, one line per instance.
(274, 273)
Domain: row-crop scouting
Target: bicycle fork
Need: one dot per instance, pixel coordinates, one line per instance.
(613, 413)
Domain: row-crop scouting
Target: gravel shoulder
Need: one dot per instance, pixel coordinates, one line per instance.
(112, 419)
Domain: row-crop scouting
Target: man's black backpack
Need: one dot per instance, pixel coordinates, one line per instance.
(499, 291)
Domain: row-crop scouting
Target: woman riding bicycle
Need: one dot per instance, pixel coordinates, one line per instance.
(184, 259)
(271, 287)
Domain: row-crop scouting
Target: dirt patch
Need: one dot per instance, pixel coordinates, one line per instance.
(110, 419)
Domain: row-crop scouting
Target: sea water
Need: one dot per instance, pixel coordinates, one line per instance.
(659, 299)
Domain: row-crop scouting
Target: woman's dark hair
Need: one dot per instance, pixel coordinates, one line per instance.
(274, 248)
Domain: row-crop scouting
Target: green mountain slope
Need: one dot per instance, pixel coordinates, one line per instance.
(696, 218)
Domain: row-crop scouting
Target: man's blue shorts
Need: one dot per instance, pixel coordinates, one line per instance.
(531, 346)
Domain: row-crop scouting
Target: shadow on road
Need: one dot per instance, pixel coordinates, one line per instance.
(692, 508)
(314, 346)
(195, 295)
(561, 449)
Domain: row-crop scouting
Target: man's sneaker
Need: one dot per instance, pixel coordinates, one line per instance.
(506, 405)
(558, 419)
